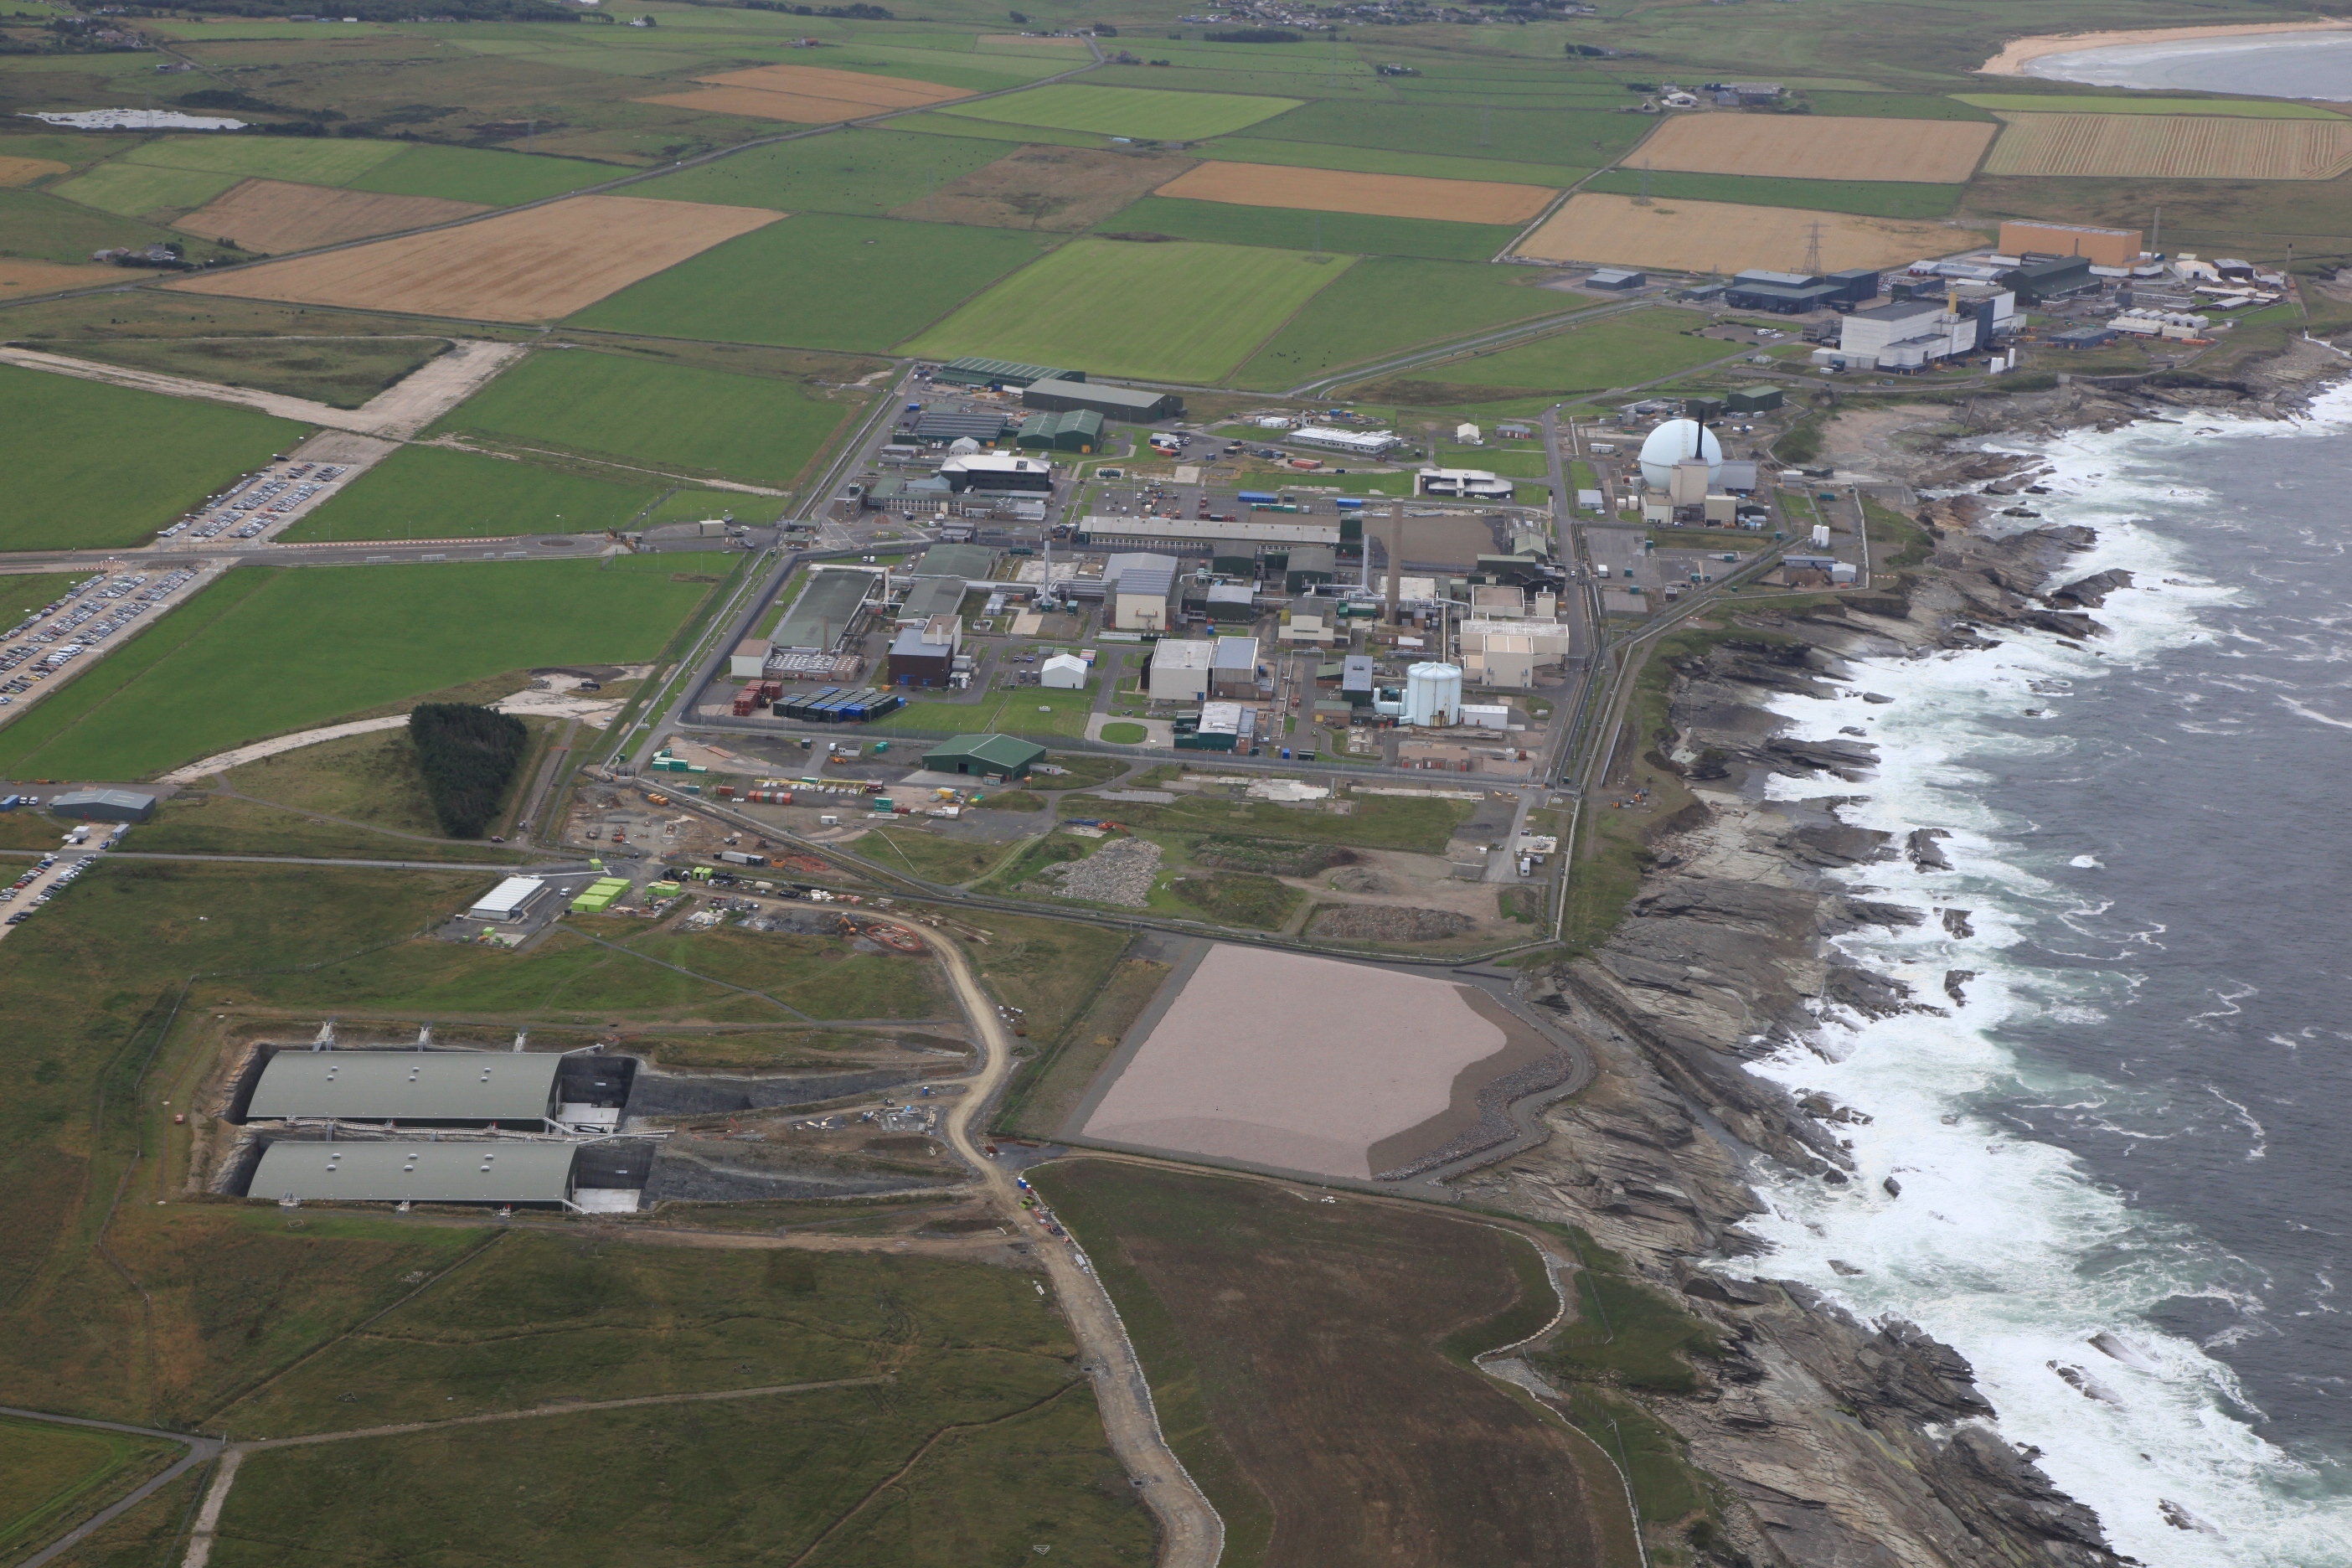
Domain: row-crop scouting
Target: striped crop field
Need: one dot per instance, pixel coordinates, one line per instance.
(2200, 147)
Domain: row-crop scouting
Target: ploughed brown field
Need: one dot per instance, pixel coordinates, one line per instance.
(272, 215)
(809, 95)
(1680, 236)
(2172, 147)
(25, 171)
(1297, 1352)
(531, 265)
(1340, 191)
(1942, 152)
(19, 277)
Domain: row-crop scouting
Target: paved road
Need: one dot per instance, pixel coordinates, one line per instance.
(1192, 1535)
(201, 1451)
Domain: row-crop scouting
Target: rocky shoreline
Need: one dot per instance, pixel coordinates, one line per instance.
(1847, 1445)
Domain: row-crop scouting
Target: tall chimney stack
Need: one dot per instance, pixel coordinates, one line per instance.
(1396, 556)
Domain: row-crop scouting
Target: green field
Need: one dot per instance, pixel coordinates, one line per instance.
(819, 281)
(1385, 161)
(2085, 103)
(1893, 106)
(1125, 111)
(1179, 312)
(431, 492)
(38, 224)
(1619, 351)
(864, 173)
(305, 160)
(756, 429)
(964, 128)
(1875, 198)
(1228, 223)
(1388, 304)
(92, 465)
(1583, 137)
(477, 174)
(337, 641)
(50, 1474)
(343, 373)
(130, 189)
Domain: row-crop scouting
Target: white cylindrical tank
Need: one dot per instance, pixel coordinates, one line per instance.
(1433, 694)
(1675, 441)
(963, 447)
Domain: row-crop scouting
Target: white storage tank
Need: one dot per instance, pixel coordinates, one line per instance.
(1677, 441)
(1433, 694)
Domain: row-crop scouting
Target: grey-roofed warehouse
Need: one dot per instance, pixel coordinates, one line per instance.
(438, 1088)
(473, 1172)
(820, 617)
(103, 806)
(1132, 404)
(972, 562)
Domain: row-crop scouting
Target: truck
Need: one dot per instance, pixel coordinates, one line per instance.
(739, 858)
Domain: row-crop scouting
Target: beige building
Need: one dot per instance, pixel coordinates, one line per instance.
(1180, 671)
(1505, 661)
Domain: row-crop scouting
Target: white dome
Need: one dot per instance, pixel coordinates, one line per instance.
(1675, 441)
(964, 446)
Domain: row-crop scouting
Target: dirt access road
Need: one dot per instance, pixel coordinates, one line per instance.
(1191, 1534)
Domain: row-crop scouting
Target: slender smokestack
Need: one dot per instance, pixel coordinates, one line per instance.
(1396, 556)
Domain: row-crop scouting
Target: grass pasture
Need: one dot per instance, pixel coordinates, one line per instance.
(1139, 112)
(309, 161)
(1183, 312)
(135, 190)
(1386, 161)
(1583, 137)
(494, 179)
(860, 173)
(1265, 1324)
(1890, 199)
(93, 465)
(1616, 351)
(2172, 147)
(432, 492)
(51, 1474)
(819, 281)
(1353, 233)
(363, 636)
(1343, 190)
(44, 226)
(342, 374)
(759, 429)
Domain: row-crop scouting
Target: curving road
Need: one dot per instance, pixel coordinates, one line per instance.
(1191, 1534)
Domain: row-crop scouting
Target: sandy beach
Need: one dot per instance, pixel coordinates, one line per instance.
(2014, 55)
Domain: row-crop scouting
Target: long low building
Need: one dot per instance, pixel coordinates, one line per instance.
(425, 1089)
(821, 617)
(1357, 443)
(1130, 405)
(453, 1171)
(1205, 536)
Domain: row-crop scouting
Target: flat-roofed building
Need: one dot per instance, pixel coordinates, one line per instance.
(1504, 660)
(976, 372)
(1208, 536)
(454, 1172)
(423, 1089)
(925, 655)
(968, 562)
(750, 660)
(998, 473)
(1233, 669)
(509, 900)
(929, 596)
(1180, 671)
(2099, 247)
(1356, 443)
(103, 806)
(823, 613)
(1131, 404)
(1475, 484)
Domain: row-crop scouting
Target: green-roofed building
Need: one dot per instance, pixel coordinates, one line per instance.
(820, 617)
(985, 756)
(1072, 430)
(999, 372)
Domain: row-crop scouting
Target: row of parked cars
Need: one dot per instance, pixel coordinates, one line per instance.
(86, 623)
(9, 894)
(278, 493)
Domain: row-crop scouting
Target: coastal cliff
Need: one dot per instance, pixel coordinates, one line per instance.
(1845, 1443)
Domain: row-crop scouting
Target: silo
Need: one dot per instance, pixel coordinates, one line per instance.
(1433, 694)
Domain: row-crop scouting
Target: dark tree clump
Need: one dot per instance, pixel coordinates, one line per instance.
(467, 755)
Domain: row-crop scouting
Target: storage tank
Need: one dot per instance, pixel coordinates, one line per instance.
(1433, 694)
(1673, 442)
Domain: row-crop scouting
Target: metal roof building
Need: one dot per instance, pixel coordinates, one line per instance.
(510, 900)
(947, 425)
(966, 562)
(103, 806)
(475, 1172)
(1068, 430)
(929, 596)
(820, 617)
(1204, 535)
(986, 755)
(439, 1087)
(1132, 404)
(975, 372)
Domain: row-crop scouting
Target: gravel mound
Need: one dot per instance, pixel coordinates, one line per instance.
(1120, 872)
(1378, 923)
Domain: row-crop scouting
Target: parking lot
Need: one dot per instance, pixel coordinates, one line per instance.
(45, 642)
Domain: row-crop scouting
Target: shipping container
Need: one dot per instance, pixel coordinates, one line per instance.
(738, 857)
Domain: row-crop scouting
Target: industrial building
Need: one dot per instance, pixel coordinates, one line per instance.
(1473, 484)
(1356, 680)
(1760, 398)
(998, 473)
(1911, 335)
(985, 757)
(927, 598)
(1222, 727)
(1617, 278)
(1310, 568)
(1140, 592)
(821, 617)
(2098, 246)
(1355, 442)
(1233, 669)
(1064, 673)
(1796, 293)
(1071, 430)
(454, 1172)
(1129, 404)
(103, 806)
(1228, 603)
(418, 1088)
(2051, 278)
(1233, 537)
(965, 562)
(1180, 671)
(925, 655)
(986, 427)
(511, 899)
(973, 371)
(902, 497)
(750, 660)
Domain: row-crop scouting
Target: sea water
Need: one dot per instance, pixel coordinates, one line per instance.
(2124, 1189)
(2258, 65)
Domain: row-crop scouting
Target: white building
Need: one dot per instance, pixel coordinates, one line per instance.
(1468, 435)
(1064, 673)
(1910, 334)
(1355, 442)
(1180, 671)
(509, 900)
(1475, 484)
(750, 660)
(1679, 441)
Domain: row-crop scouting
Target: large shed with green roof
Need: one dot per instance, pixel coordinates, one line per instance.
(985, 756)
